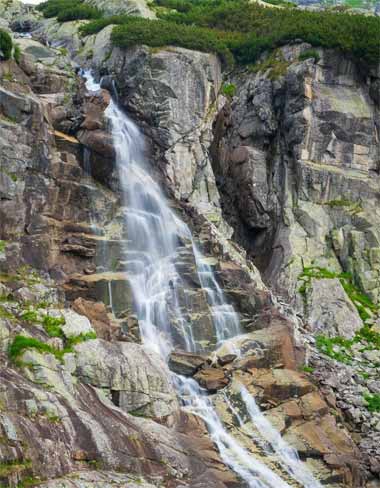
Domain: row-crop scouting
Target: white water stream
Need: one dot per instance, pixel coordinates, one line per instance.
(156, 236)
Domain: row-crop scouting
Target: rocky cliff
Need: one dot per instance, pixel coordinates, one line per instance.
(279, 181)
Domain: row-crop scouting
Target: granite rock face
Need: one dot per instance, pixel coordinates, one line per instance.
(288, 165)
(331, 311)
(298, 164)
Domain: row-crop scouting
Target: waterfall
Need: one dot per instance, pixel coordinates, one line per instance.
(157, 241)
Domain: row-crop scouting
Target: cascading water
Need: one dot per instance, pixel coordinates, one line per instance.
(156, 237)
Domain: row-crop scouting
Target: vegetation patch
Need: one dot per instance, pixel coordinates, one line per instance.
(6, 44)
(8, 468)
(5, 314)
(365, 307)
(373, 402)
(336, 348)
(352, 207)
(17, 53)
(229, 90)
(307, 369)
(240, 30)
(67, 10)
(72, 341)
(308, 54)
(339, 348)
(159, 33)
(21, 343)
(52, 326)
(3, 245)
(274, 64)
(96, 26)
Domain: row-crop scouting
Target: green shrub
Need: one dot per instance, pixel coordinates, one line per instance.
(309, 53)
(97, 25)
(179, 5)
(267, 28)
(237, 30)
(6, 44)
(17, 53)
(52, 8)
(79, 12)
(373, 402)
(52, 326)
(159, 33)
(229, 90)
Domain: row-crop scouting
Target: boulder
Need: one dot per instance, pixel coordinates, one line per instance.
(101, 321)
(212, 379)
(186, 363)
(138, 380)
(75, 324)
(281, 384)
(330, 312)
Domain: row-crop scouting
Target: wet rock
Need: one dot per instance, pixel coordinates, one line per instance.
(226, 359)
(186, 364)
(212, 379)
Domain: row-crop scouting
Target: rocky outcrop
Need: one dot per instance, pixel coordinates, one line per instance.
(174, 94)
(297, 161)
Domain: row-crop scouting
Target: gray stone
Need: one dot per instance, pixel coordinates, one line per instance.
(329, 310)
(139, 379)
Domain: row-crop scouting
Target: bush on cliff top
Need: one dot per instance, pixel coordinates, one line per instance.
(6, 44)
(66, 10)
(97, 25)
(235, 29)
(158, 33)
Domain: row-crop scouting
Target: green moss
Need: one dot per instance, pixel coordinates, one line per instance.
(137, 413)
(29, 481)
(373, 402)
(352, 207)
(21, 343)
(3, 245)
